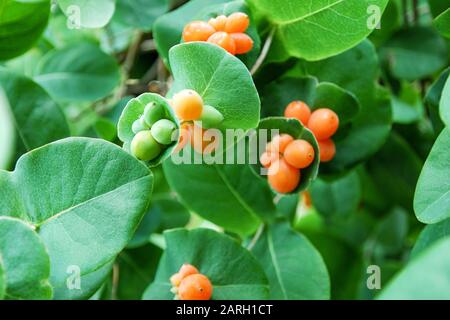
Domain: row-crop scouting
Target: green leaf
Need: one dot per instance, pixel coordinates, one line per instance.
(133, 110)
(7, 132)
(407, 107)
(239, 200)
(80, 72)
(222, 74)
(38, 120)
(444, 106)
(337, 198)
(139, 13)
(88, 13)
(430, 235)
(425, 277)
(21, 25)
(234, 273)
(295, 269)
(84, 196)
(2, 280)
(294, 128)
(432, 196)
(415, 53)
(316, 30)
(25, 262)
(442, 23)
(433, 98)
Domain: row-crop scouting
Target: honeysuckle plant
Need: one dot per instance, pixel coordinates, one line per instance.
(218, 149)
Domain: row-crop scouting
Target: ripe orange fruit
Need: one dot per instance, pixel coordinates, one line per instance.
(283, 178)
(327, 150)
(323, 123)
(299, 154)
(218, 23)
(267, 158)
(237, 22)
(243, 42)
(195, 287)
(279, 143)
(185, 270)
(197, 31)
(184, 136)
(188, 105)
(298, 110)
(200, 142)
(224, 40)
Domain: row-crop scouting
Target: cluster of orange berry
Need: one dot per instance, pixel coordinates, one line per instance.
(189, 284)
(226, 32)
(284, 157)
(194, 116)
(323, 123)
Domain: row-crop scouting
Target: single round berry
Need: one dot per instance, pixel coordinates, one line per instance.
(162, 131)
(144, 146)
(197, 31)
(184, 136)
(327, 150)
(299, 154)
(298, 110)
(218, 23)
(267, 158)
(283, 178)
(195, 287)
(279, 143)
(243, 42)
(211, 117)
(188, 105)
(137, 126)
(152, 113)
(200, 142)
(175, 280)
(224, 40)
(323, 123)
(237, 22)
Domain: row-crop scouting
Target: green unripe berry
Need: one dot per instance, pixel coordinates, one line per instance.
(162, 131)
(152, 113)
(211, 117)
(137, 126)
(144, 146)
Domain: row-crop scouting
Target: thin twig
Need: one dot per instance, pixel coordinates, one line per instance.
(264, 52)
(256, 237)
(132, 53)
(115, 281)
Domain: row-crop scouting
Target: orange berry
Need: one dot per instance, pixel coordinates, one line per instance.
(199, 141)
(243, 42)
(323, 123)
(298, 110)
(327, 150)
(237, 22)
(267, 158)
(175, 280)
(185, 270)
(218, 23)
(188, 105)
(307, 199)
(283, 178)
(195, 287)
(299, 154)
(184, 136)
(197, 31)
(279, 143)
(224, 40)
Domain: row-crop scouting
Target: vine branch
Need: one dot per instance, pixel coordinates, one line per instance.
(264, 52)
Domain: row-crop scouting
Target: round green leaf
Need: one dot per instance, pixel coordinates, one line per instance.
(294, 128)
(407, 106)
(295, 269)
(415, 53)
(234, 273)
(442, 23)
(224, 82)
(433, 99)
(38, 120)
(88, 13)
(140, 13)
(430, 235)
(432, 196)
(425, 277)
(7, 132)
(318, 29)
(84, 196)
(444, 105)
(79, 72)
(21, 24)
(133, 110)
(25, 262)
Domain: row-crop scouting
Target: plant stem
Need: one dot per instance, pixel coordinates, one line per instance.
(115, 281)
(256, 237)
(264, 52)
(415, 12)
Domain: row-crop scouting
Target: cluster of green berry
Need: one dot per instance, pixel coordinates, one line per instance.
(153, 133)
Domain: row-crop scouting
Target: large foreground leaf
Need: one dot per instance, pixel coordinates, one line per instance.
(88, 13)
(24, 262)
(233, 271)
(84, 196)
(318, 29)
(295, 269)
(7, 132)
(442, 23)
(444, 105)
